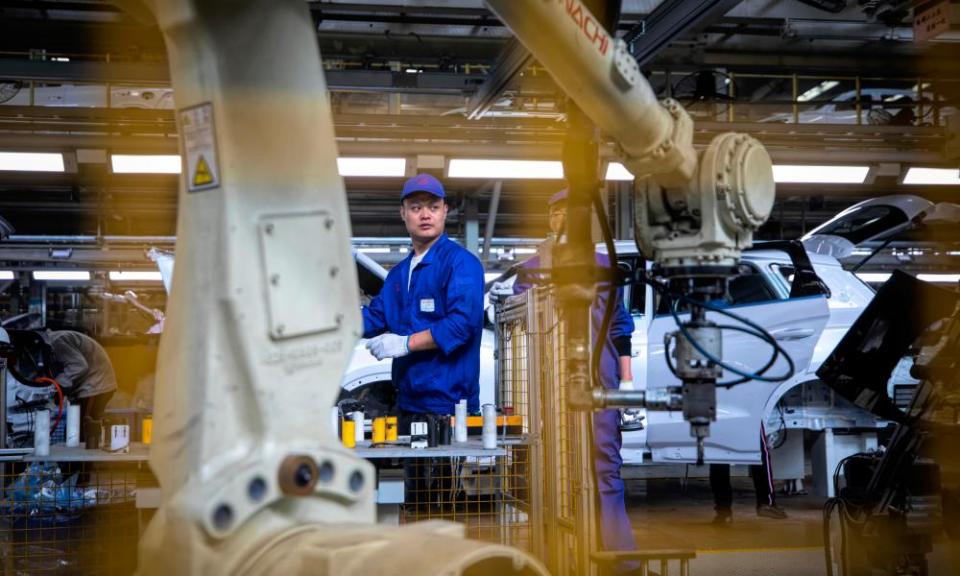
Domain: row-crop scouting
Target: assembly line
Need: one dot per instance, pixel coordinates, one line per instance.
(249, 323)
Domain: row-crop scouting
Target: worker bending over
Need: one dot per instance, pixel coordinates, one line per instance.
(428, 316)
(85, 372)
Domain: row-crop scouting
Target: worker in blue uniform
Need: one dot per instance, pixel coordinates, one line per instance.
(615, 372)
(428, 316)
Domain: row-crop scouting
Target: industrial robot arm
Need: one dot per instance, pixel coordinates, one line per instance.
(694, 213)
(262, 319)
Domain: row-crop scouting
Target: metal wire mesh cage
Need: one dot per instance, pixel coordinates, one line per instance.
(562, 495)
(489, 495)
(68, 518)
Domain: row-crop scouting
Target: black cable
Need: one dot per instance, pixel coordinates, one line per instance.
(782, 432)
(719, 362)
(828, 508)
(757, 331)
(728, 384)
(611, 302)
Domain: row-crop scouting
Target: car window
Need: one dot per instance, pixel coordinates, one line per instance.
(634, 295)
(749, 287)
(865, 223)
(786, 273)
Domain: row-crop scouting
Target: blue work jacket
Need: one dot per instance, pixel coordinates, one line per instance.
(621, 323)
(446, 297)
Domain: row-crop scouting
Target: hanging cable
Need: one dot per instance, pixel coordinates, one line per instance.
(754, 330)
(609, 306)
(760, 333)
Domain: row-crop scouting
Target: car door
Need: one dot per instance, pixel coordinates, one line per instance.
(796, 323)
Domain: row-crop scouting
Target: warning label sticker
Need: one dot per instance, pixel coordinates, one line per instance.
(200, 147)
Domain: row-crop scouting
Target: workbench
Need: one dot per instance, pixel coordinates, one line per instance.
(390, 484)
(61, 453)
(139, 452)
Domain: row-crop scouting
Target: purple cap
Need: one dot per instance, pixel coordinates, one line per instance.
(422, 183)
(558, 197)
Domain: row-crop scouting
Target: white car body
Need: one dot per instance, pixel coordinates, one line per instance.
(878, 106)
(808, 327)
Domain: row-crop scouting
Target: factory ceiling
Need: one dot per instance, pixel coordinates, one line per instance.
(818, 81)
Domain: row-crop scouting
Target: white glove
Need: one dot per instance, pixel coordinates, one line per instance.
(630, 418)
(502, 289)
(389, 346)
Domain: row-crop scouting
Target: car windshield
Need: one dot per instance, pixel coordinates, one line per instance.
(865, 223)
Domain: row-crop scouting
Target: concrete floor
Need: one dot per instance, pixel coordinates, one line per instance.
(666, 515)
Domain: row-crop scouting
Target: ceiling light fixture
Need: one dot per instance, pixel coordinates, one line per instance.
(135, 276)
(933, 176)
(372, 167)
(31, 161)
(940, 278)
(145, 163)
(76, 275)
(795, 174)
(505, 169)
(6, 275)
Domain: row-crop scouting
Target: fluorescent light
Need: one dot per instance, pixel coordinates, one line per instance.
(374, 250)
(505, 169)
(940, 278)
(817, 90)
(135, 276)
(145, 163)
(82, 275)
(617, 171)
(880, 277)
(874, 277)
(31, 161)
(385, 167)
(6, 274)
(524, 250)
(786, 173)
(935, 176)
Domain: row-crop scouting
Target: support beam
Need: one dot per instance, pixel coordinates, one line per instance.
(491, 219)
(512, 60)
(670, 21)
(153, 74)
(471, 225)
